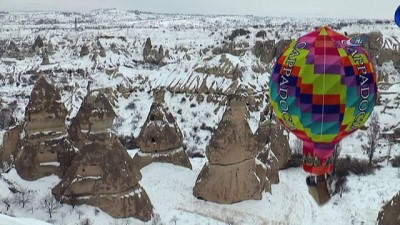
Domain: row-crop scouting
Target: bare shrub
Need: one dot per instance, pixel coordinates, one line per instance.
(296, 156)
(24, 197)
(50, 204)
(372, 137)
(5, 118)
(345, 166)
(396, 161)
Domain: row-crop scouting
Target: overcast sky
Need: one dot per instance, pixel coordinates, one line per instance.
(378, 9)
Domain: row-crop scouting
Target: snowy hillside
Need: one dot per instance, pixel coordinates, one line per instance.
(198, 64)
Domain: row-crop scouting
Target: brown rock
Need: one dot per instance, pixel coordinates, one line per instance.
(176, 156)
(261, 171)
(100, 167)
(160, 139)
(268, 158)
(160, 132)
(37, 159)
(38, 43)
(152, 55)
(45, 58)
(233, 48)
(261, 34)
(228, 183)
(225, 68)
(265, 50)
(238, 32)
(133, 203)
(390, 213)
(95, 115)
(45, 111)
(272, 132)
(102, 174)
(233, 140)
(11, 142)
(281, 45)
(84, 50)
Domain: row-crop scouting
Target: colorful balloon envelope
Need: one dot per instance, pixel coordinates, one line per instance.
(323, 88)
(397, 16)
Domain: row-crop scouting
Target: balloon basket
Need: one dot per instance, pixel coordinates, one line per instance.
(318, 189)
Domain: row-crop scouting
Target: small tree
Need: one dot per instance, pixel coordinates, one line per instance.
(50, 204)
(296, 155)
(174, 219)
(338, 149)
(297, 146)
(80, 213)
(7, 203)
(23, 197)
(63, 215)
(372, 137)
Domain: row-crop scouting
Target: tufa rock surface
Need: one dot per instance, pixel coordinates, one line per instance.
(45, 112)
(233, 140)
(390, 212)
(231, 175)
(96, 115)
(228, 184)
(45, 150)
(39, 159)
(271, 137)
(102, 174)
(160, 139)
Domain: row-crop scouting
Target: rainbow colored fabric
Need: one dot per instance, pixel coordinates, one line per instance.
(322, 88)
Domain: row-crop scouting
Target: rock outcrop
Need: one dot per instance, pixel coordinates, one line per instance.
(160, 139)
(271, 136)
(84, 50)
(38, 44)
(233, 48)
(222, 66)
(231, 174)
(153, 55)
(390, 213)
(45, 112)
(10, 147)
(103, 175)
(96, 115)
(45, 150)
(265, 50)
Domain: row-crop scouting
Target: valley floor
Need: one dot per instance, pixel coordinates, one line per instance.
(170, 190)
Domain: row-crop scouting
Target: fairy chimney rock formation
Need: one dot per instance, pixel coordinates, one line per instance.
(272, 136)
(39, 159)
(232, 174)
(11, 142)
(390, 213)
(96, 115)
(103, 175)
(233, 141)
(45, 150)
(160, 139)
(45, 112)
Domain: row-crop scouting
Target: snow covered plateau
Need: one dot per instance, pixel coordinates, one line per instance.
(115, 42)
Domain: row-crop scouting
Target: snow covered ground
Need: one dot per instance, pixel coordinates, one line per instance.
(170, 187)
(170, 190)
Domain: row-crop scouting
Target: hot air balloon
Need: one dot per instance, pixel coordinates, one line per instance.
(322, 88)
(397, 16)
